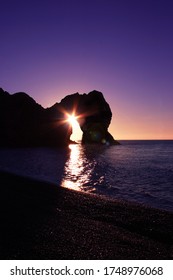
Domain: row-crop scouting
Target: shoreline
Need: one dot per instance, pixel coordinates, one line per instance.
(42, 221)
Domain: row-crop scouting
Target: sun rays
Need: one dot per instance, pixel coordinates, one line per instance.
(76, 131)
(72, 119)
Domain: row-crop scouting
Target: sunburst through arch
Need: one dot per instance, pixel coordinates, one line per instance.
(76, 130)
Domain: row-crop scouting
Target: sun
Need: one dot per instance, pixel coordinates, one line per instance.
(76, 130)
(72, 119)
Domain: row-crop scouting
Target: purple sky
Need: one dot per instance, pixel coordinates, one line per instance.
(124, 48)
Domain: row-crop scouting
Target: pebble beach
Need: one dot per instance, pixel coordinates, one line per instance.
(42, 221)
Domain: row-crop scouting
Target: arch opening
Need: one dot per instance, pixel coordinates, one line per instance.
(76, 130)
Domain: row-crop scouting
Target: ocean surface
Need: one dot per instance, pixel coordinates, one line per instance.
(137, 171)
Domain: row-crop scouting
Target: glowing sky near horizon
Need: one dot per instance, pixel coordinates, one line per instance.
(123, 48)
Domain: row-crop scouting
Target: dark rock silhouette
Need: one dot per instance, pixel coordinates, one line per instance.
(94, 116)
(23, 122)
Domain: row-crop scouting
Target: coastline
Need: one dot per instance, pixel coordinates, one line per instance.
(42, 221)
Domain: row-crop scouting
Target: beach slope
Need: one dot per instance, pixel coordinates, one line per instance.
(42, 221)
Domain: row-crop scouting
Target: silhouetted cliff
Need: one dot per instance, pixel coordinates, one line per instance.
(94, 116)
(23, 122)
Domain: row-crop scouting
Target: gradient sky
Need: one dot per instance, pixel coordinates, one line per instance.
(124, 48)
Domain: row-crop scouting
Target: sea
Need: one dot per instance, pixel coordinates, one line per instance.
(136, 171)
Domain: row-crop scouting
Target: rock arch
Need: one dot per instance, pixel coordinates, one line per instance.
(94, 116)
(23, 122)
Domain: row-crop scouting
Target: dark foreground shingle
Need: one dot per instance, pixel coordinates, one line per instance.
(42, 221)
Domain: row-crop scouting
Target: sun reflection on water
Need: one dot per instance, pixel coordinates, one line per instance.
(78, 170)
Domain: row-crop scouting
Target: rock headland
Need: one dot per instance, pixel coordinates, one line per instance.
(23, 122)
